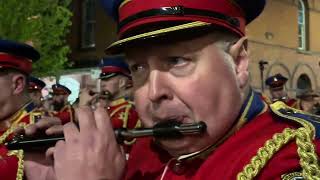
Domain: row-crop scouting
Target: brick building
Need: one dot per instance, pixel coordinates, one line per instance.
(286, 37)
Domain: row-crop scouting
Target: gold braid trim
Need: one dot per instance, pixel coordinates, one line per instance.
(306, 152)
(117, 109)
(125, 123)
(159, 32)
(13, 127)
(126, 116)
(16, 123)
(265, 153)
(123, 3)
(19, 154)
(138, 125)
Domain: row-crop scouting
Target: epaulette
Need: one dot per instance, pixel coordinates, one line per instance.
(303, 118)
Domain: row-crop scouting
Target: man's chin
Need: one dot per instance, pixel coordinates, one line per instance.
(179, 147)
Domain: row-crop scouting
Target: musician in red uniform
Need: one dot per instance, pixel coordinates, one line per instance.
(62, 109)
(115, 80)
(189, 62)
(16, 107)
(35, 87)
(115, 87)
(276, 85)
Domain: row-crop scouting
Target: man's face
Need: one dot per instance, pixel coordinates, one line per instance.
(36, 96)
(110, 85)
(187, 81)
(59, 100)
(278, 93)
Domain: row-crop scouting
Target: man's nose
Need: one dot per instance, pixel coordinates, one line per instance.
(158, 87)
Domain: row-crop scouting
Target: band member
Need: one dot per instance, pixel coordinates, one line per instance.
(16, 107)
(114, 85)
(62, 109)
(35, 87)
(277, 89)
(115, 77)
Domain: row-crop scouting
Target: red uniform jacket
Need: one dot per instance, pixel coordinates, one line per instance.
(148, 162)
(123, 115)
(11, 162)
(66, 114)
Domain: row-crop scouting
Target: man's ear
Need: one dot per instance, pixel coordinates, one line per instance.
(122, 83)
(241, 59)
(19, 83)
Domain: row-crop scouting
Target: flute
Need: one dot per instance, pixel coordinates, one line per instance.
(166, 130)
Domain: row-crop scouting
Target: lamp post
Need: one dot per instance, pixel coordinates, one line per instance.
(262, 63)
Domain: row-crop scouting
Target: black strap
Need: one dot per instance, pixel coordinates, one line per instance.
(179, 11)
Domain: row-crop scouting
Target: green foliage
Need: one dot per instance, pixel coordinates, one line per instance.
(43, 22)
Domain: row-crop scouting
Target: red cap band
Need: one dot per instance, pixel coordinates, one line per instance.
(113, 69)
(15, 62)
(223, 11)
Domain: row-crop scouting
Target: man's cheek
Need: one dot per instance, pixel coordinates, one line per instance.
(140, 104)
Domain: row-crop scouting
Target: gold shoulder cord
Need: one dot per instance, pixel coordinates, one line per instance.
(19, 155)
(306, 149)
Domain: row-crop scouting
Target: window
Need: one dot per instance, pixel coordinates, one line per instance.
(88, 24)
(302, 28)
(304, 82)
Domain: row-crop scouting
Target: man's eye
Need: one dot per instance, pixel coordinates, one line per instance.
(178, 61)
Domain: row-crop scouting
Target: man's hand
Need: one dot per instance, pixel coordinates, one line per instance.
(92, 153)
(36, 166)
(47, 125)
(86, 98)
(37, 171)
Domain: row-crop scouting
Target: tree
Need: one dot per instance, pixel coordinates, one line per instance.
(45, 23)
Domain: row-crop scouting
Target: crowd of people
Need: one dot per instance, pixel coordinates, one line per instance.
(186, 62)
